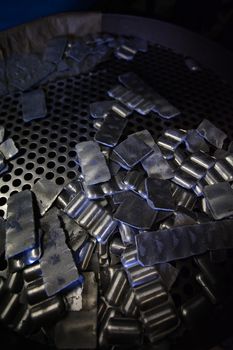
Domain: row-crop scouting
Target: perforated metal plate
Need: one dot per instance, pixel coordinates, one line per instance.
(47, 146)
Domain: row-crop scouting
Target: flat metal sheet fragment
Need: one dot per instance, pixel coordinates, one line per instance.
(155, 247)
(219, 198)
(92, 162)
(55, 50)
(27, 70)
(132, 150)
(21, 233)
(202, 159)
(77, 234)
(111, 130)
(156, 166)
(57, 264)
(159, 195)
(194, 142)
(121, 110)
(33, 105)
(130, 212)
(211, 133)
(78, 329)
(8, 148)
(160, 104)
(46, 192)
(100, 109)
(175, 134)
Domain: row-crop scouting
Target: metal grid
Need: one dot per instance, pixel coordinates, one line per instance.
(47, 146)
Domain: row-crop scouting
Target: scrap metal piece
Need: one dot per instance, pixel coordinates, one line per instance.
(127, 234)
(129, 307)
(125, 52)
(193, 169)
(117, 288)
(225, 169)
(14, 282)
(46, 193)
(132, 81)
(212, 134)
(160, 321)
(121, 110)
(210, 293)
(85, 254)
(129, 257)
(219, 199)
(57, 264)
(202, 159)
(168, 143)
(34, 105)
(194, 142)
(111, 130)
(184, 180)
(93, 191)
(145, 107)
(22, 323)
(9, 307)
(195, 311)
(213, 177)
(47, 311)
(183, 198)
(93, 217)
(133, 179)
(164, 108)
(73, 298)
(159, 195)
(135, 101)
(175, 134)
(68, 193)
(97, 124)
(156, 166)
(77, 234)
(168, 155)
(8, 148)
(27, 70)
(21, 235)
(154, 247)
(132, 150)
(100, 109)
(130, 212)
(78, 329)
(32, 272)
(92, 162)
(126, 97)
(116, 246)
(35, 291)
(117, 92)
(55, 49)
(161, 105)
(121, 331)
(150, 294)
(146, 137)
(179, 156)
(138, 275)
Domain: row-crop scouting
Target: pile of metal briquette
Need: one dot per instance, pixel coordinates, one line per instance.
(91, 264)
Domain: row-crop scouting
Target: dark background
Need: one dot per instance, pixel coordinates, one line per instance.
(210, 18)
